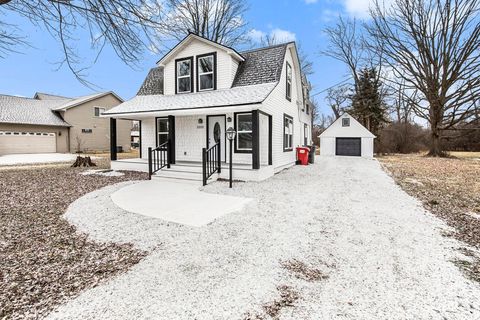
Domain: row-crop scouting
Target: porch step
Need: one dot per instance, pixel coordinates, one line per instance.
(186, 174)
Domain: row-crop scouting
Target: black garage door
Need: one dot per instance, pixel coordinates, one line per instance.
(348, 147)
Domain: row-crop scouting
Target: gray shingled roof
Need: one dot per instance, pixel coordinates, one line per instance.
(30, 111)
(207, 99)
(153, 83)
(262, 65)
(73, 102)
(48, 96)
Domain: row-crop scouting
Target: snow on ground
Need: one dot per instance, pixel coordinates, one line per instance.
(384, 256)
(102, 172)
(17, 159)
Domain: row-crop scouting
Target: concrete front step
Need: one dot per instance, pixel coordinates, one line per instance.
(188, 174)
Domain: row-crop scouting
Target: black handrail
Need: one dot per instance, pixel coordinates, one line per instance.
(158, 158)
(211, 161)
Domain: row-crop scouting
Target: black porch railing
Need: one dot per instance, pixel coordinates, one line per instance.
(211, 161)
(158, 158)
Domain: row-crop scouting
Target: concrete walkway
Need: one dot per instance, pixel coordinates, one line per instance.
(178, 202)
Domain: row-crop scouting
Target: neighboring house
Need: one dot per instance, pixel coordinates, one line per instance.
(346, 137)
(201, 88)
(48, 123)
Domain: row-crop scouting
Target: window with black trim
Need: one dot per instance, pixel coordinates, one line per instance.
(287, 133)
(289, 82)
(305, 134)
(97, 111)
(184, 75)
(243, 139)
(346, 122)
(206, 72)
(162, 130)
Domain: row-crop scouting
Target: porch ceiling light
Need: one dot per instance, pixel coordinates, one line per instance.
(231, 133)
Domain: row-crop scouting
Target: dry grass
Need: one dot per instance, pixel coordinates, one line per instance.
(465, 155)
(44, 260)
(448, 187)
(301, 271)
(133, 153)
(287, 297)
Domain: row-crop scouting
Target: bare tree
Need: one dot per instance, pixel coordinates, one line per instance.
(218, 20)
(433, 46)
(128, 26)
(345, 44)
(305, 63)
(337, 98)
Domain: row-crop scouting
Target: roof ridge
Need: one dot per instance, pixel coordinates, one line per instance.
(268, 47)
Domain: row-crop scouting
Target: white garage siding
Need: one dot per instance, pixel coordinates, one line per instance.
(14, 142)
(353, 130)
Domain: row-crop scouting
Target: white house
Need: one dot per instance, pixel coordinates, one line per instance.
(200, 89)
(346, 137)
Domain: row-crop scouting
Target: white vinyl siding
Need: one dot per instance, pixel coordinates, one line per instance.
(226, 66)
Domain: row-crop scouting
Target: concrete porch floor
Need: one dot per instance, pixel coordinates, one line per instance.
(179, 202)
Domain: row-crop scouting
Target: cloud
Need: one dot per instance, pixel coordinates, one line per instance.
(311, 1)
(330, 15)
(360, 8)
(277, 34)
(282, 35)
(256, 35)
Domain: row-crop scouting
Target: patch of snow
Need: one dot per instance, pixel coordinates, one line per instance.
(102, 172)
(414, 181)
(383, 253)
(18, 159)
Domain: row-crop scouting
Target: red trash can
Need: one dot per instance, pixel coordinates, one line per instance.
(302, 155)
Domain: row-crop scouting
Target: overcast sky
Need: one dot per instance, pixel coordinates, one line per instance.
(299, 20)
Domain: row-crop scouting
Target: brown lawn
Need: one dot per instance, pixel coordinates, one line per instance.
(44, 260)
(449, 188)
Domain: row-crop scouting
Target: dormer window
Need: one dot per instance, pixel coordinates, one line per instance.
(184, 75)
(206, 72)
(289, 83)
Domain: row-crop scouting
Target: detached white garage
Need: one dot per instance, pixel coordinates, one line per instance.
(346, 137)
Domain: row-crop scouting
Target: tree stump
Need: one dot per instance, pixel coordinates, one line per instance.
(83, 162)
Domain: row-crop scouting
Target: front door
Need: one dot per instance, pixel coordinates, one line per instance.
(216, 132)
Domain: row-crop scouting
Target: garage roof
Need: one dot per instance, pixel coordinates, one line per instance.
(354, 130)
(30, 111)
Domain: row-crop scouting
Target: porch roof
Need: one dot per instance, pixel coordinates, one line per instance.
(194, 102)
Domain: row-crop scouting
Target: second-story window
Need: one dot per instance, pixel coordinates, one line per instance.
(289, 82)
(206, 72)
(184, 75)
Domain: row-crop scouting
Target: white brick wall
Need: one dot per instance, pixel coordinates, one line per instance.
(190, 138)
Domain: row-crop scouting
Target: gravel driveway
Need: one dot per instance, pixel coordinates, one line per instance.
(379, 254)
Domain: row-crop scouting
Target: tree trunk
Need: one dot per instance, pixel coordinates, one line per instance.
(435, 147)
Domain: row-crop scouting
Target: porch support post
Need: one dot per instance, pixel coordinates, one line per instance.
(171, 136)
(255, 140)
(113, 139)
(270, 140)
(140, 138)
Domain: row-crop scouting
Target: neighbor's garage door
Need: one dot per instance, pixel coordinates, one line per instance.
(12, 142)
(348, 147)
